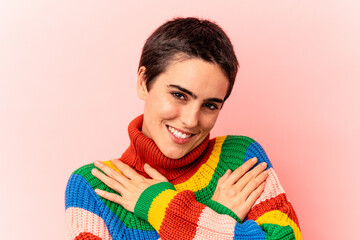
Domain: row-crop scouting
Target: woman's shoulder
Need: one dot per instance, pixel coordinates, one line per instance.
(235, 139)
(82, 178)
(80, 186)
(85, 170)
(240, 148)
(235, 142)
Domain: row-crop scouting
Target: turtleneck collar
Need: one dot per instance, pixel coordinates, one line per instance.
(144, 150)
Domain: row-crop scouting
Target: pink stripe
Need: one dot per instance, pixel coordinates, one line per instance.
(212, 225)
(272, 187)
(80, 220)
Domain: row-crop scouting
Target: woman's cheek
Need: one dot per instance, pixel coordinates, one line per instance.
(169, 110)
(208, 122)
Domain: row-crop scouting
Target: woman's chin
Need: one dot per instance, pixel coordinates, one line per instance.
(176, 151)
(174, 154)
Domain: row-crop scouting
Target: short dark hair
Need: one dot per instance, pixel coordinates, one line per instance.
(188, 38)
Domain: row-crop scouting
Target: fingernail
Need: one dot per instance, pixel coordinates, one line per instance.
(254, 159)
(263, 164)
(97, 162)
(93, 171)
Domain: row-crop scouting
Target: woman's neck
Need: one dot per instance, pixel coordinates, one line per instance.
(144, 150)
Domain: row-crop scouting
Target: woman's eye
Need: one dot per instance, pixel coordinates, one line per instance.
(178, 95)
(211, 106)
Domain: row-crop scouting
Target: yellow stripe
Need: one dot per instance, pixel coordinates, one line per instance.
(158, 207)
(109, 163)
(279, 218)
(203, 176)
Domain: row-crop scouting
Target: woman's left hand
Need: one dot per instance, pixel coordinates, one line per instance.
(129, 184)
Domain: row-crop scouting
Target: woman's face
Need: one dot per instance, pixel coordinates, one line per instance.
(182, 105)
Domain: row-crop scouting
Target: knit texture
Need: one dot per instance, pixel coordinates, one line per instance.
(181, 209)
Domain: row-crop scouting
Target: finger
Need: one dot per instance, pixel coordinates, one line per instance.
(254, 184)
(240, 171)
(153, 173)
(249, 202)
(111, 172)
(255, 194)
(126, 170)
(224, 177)
(110, 196)
(250, 175)
(108, 181)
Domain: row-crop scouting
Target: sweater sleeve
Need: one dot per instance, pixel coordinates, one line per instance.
(178, 215)
(82, 213)
(273, 211)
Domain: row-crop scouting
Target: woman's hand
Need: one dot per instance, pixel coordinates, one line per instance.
(129, 184)
(239, 190)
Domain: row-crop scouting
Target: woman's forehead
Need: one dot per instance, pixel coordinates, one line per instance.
(197, 76)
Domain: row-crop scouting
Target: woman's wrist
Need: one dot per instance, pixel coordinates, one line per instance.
(221, 209)
(145, 200)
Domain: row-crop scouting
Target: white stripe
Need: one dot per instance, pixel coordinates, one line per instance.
(212, 225)
(272, 187)
(79, 220)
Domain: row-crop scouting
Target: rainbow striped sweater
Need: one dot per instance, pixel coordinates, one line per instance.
(181, 208)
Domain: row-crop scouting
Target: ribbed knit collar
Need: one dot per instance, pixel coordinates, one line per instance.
(144, 150)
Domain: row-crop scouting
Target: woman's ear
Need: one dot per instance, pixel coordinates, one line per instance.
(141, 83)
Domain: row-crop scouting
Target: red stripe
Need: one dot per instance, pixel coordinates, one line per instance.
(279, 202)
(87, 236)
(195, 165)
(181, 217)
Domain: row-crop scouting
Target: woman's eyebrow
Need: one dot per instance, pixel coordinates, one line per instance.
(183, 90)
(218, 100)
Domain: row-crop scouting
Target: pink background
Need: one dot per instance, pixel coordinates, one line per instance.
(67, 94)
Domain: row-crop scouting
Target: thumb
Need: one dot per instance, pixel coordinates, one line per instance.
(153, 173)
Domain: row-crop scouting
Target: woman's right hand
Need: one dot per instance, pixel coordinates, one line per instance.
(239, 190)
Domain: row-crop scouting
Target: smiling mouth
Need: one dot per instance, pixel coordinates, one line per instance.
(178, 134)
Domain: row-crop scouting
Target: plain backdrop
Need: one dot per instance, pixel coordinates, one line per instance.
(67, 94)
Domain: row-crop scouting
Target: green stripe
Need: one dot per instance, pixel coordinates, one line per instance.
(221, 209)
(274, 231)
(232, 156)
(146, 198)
(234, 149)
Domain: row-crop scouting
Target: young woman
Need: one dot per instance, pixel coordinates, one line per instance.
(173, 182)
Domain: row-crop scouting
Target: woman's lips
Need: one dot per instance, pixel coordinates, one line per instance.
(179, 136)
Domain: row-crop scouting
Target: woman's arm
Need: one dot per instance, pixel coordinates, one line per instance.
(82, 210)
(272, 211)
(89, 216)
(173, 214)
(177, 215)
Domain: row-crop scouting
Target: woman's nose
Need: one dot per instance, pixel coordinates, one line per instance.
(190, 117)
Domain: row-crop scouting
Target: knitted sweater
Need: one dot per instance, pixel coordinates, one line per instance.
(181, 208)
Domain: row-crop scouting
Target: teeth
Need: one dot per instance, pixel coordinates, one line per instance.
(178, 134)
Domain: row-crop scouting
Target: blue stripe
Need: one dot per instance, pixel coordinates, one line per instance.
(249, 230)
(255, 150)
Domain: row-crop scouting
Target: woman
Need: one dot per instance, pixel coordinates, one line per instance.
(173, 182)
